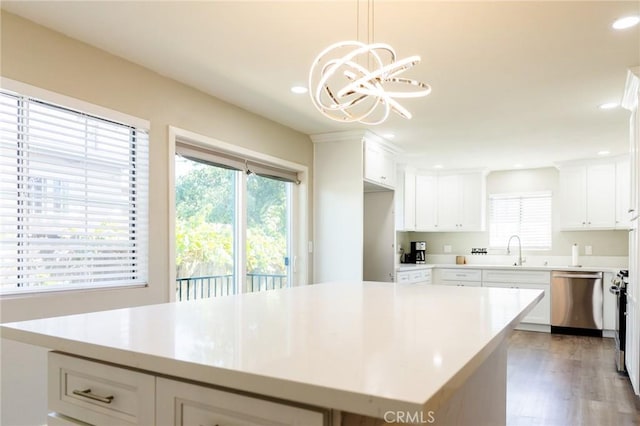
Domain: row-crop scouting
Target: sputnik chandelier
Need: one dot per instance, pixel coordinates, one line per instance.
(353, 81)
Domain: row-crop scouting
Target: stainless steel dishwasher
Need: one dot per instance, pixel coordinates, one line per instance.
(576, 302)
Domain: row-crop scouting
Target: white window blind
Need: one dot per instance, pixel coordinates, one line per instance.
(74, 199)
(525, 215)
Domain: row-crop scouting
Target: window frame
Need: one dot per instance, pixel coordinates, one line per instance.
(56, 100)
(547, 195)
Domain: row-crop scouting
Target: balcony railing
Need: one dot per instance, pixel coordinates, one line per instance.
(204, 287)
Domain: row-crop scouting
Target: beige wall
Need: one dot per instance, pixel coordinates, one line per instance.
(35, 55)
(604, 243)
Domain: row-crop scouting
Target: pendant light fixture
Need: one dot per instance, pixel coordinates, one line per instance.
(356, 81)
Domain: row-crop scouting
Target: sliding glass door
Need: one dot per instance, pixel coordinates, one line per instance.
(233, 229)
(267, 240)
(205, 230)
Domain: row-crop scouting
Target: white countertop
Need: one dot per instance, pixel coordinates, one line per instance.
(409, 267)
(360, 347)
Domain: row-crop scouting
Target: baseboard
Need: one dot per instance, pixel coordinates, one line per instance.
(576, 331)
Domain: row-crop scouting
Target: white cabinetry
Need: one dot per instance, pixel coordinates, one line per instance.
(405, 200)
(623, 182)
(85, 392)
(339, 205)
(414, 276)
(460, 277)
(426, 202)
(186, 404)
(588, 195)
(630, 102)
(538, 280)
(98, 394)
(450, 202)
(379, 164)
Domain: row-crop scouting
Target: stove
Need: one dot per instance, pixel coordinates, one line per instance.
(619, 288)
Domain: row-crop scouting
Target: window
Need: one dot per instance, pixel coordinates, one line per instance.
(74, 198)
(525, 215)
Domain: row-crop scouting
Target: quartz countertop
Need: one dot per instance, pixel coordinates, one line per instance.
(361, 347)
(408, 267)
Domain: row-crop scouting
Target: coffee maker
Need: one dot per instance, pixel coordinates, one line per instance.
(418, 251)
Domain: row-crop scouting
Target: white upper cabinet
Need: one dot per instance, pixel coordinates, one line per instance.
(589, 195)
(405, 200)
(426, 202)
(450, 202)
(379, 164)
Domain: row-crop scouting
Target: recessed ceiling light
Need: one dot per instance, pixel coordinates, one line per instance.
(299, 90)
(388, 136)
(609, 105)
(438, 166)
(517, 166)
(626, 22)
(604, 152)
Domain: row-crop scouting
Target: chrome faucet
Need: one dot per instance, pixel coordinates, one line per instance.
(519, 249)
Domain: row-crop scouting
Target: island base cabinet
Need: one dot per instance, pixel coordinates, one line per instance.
(476, 399)
(87, 392)
(185, 404)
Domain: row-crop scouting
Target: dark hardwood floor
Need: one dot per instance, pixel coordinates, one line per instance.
(558, 380)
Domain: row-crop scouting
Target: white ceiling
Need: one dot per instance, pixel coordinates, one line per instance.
(513, 82)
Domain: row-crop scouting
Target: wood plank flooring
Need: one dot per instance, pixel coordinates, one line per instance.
(558, 380)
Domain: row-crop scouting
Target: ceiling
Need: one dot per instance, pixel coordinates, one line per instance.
(513, 82)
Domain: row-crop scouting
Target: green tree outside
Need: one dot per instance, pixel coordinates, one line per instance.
(205, 204)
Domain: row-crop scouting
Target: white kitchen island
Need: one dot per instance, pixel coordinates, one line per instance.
(327, 354)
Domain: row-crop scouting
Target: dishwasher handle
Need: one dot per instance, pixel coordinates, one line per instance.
(597, 276)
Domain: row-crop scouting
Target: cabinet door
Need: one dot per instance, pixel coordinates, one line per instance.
(601, 198)
(623, 184)
(379, 165)
(186, 404)
(573, 197)
(373, 162)
(409, 200)
(425, 203)
(472, 210)
(449, 203)
(388, 169)
(541, 313)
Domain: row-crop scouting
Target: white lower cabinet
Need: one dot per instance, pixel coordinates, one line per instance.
(537, 280)
(185, 404)
(99, 394)
(83, 392)
(417, 276)
(541, 313)
(460, 277)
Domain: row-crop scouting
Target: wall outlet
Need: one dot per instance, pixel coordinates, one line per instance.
(588, 250)
(446, 249)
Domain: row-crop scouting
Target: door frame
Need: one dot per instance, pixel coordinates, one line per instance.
(299, 231)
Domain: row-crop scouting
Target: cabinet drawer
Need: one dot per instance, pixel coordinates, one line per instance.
(521, 276)
(462, 283)
(187, 404)
(412, 277)
(461, 275)
(417, 276)
(98, 393)
(403, 277)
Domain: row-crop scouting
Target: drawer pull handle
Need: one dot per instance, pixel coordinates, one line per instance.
(87, 394)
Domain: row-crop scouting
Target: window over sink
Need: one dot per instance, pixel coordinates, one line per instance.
(527, 215)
